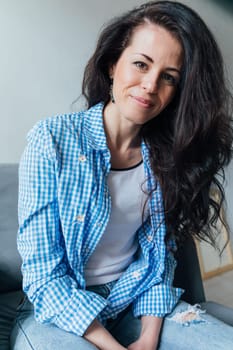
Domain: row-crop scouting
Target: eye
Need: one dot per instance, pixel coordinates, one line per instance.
(140, 65)
(169, 79)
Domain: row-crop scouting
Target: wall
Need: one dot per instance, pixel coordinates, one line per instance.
(44, 47)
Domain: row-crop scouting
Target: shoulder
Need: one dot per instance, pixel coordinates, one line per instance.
(63, 135)
(56, 124)
(67, 124)
(52, 134)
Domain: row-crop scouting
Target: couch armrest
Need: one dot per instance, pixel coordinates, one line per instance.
(219, 311)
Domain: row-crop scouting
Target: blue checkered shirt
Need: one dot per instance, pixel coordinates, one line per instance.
(64, 207)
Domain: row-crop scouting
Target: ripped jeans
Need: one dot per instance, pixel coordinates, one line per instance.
(187, 327)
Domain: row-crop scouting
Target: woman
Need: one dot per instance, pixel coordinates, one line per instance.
(106, 194)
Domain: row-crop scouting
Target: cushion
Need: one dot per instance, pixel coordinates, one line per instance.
(8, 310)
(219, 311)
(10, 261)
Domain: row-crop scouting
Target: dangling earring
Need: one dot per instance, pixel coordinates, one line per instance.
(111, 91)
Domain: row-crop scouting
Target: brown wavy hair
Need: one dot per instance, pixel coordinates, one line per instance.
(190, 142)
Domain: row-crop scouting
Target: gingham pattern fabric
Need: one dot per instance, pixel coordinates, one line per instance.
(64, 207)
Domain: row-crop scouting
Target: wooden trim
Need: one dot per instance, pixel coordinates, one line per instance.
(217, 272)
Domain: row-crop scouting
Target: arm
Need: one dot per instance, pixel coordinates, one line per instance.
(148, 339)
(99, 336)
(56, 296)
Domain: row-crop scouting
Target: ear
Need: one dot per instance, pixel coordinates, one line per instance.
(112, 71)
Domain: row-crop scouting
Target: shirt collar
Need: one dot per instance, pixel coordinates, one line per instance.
(94, 127)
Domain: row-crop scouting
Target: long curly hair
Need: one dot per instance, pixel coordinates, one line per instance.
(190, 142)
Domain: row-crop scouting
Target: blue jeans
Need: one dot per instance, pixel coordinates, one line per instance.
(185, 328)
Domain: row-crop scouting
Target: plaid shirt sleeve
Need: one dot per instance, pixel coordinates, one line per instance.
(161, 298)
(56, 296)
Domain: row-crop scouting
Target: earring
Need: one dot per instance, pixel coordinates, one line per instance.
(111, 91)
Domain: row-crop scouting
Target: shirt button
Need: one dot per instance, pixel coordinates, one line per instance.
(136, 274)
(149, 238)
(82, 158)
(80, 218)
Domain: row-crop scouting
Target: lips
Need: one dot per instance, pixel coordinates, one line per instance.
(143, 102)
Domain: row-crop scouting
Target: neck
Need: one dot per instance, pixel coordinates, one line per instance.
(121, 134)
(123, 139)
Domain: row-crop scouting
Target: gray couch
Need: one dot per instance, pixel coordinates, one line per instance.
(187, 273)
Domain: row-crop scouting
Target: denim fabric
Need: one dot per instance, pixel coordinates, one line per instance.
(207, 334)
(203, 333)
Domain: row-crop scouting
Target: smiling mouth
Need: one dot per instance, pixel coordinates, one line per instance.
(143, 102)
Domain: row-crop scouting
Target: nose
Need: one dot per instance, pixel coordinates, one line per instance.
(151, 84)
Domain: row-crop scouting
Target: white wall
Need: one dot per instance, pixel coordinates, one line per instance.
(44, 47)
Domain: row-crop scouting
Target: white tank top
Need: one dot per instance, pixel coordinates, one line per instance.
(118, 245)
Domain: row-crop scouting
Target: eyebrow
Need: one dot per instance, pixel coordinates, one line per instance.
(151, 60)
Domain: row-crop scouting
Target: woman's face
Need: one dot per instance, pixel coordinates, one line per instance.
(146, 75)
